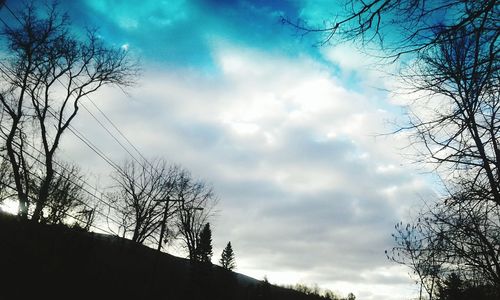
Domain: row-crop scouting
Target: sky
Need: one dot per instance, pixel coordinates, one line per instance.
(290, 135)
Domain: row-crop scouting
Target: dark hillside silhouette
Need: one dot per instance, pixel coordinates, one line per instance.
(64, 262)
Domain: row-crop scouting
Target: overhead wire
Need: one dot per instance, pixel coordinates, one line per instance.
(78, 134)
(118, 129)
(65, 169)
(92, 147)
(87, 142)
(107, 130)
(83, 188)
(65, 213)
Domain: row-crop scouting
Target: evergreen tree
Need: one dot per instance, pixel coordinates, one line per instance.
(456, 288)
(205, 245)
(451, 288)
(227, 260)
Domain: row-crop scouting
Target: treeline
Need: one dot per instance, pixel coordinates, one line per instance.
(453, 287)
(317, 293)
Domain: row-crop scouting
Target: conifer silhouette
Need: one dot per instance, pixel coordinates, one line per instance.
(227, 260)
(205, 245)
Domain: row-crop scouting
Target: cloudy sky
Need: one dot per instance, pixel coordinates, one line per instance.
(288, 134)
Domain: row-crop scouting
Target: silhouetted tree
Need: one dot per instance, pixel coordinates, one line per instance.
(313, 290)
(454, 61)
(421, 251)
(453, 71)
(46, 73)
(461, 137)
(330, 295)
(66, 194)
(5, 180)
(139, 191)
(461, 237)
(198, 201)
(454, 74)
(86, 217)
(204, 247)
(227, 259)
(401, 26)
(451, 288)
(264, 289)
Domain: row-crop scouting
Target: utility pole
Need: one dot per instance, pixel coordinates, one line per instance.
(193, 245)
(192, 207)
(162, 232)
(165, 214)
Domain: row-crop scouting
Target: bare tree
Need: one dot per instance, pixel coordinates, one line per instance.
(198, 202)
(455, 62)
(453, 48)
(48, 72)
(400, 26)
(421, 250)
(5, 180)
(460, 238)
(459, 133)
(139, 189)
(86, 217)
(66, 195)
(471, 229)
(460, 129)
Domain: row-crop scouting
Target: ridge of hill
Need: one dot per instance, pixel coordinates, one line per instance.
(55, 261)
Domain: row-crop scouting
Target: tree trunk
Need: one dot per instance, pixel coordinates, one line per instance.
(22, 196)
(44, 191)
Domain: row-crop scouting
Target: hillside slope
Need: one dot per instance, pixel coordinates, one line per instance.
(59, 262)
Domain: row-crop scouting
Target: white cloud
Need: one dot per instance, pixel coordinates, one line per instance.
(307, 192)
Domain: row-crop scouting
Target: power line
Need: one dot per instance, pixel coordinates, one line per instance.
(65, 213)
(94, 148)
(78, 134)
(105, 116)
(78, 200)
(87, 142)
(107, 130)
(117, 129)
(8, 8)
(82, 138)
(70, 180)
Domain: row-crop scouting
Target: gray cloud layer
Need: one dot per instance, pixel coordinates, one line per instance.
(307, 193)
